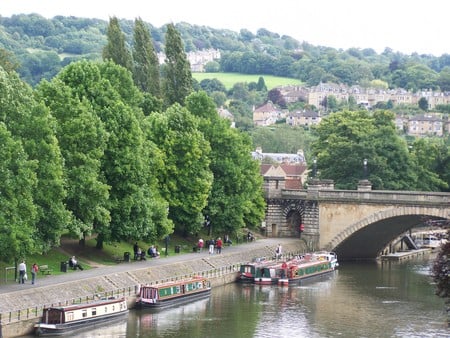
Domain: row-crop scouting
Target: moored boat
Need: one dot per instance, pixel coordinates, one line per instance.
(62, 320)
(159, 296)
(289, 272)
(309, 266)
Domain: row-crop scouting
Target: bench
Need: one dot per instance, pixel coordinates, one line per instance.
(45, 270)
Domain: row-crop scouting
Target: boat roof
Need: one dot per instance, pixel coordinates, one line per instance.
(103, 301)
(175, 282)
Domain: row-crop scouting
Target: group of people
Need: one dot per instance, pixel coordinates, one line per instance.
(213, 245)
(140, 254)
(23, 276)
(23, 272)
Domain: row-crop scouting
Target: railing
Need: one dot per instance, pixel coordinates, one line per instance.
(36, 311)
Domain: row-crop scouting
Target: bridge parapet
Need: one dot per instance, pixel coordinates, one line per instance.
(373, 196)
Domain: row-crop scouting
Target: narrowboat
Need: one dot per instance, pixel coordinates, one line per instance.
(289, 272)
(62, 320)
(160, 296)
(249, 271)
(307, 267)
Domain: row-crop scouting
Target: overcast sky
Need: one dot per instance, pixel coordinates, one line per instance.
(404, 26)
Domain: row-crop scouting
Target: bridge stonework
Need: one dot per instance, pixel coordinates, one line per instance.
(355, 223)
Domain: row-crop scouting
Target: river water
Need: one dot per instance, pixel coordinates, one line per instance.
(390, 299)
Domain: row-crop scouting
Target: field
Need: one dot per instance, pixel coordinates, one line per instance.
(229, 79)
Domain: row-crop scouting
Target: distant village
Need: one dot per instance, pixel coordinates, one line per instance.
(427, 124)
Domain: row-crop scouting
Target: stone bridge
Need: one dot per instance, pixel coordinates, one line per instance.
(356, 224)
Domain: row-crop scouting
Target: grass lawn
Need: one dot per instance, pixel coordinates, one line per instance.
(229, 79)
(89, 256)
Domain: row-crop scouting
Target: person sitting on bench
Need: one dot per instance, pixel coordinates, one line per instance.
(73, 263)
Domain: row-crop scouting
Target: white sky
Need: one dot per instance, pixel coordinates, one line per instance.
(404, 26)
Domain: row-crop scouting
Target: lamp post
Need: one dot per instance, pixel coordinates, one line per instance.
(365, 169)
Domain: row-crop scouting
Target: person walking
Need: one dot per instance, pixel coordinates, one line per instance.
(22, 272)
(219, 244)
(278, 252)
(211, 246)
(200, 245)
(34, 271)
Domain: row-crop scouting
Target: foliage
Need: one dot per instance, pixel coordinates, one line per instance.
(236, 198)
(346, 138)
(145, 61)
(177, 77)
(242, 52)
(31, 124)
(115, 49)
(186, 179)
(441, 271)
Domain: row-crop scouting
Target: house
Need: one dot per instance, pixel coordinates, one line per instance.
(425, 124)
(294, 174)
(267, 114)
(303, 118)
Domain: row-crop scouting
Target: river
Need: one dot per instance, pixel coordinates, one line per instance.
(389, 299)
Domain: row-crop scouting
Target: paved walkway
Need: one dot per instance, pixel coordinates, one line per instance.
(133, 265)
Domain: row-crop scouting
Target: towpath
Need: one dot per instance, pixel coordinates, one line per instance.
(71, 276)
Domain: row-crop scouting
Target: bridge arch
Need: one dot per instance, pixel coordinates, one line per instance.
(367, 237)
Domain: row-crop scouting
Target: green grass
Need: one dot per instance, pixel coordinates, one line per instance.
(229, 79)
(89, 255)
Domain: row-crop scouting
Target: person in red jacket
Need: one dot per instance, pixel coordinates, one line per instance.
(219, 244)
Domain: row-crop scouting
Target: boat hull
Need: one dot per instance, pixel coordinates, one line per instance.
(176, 301)
(44, 330)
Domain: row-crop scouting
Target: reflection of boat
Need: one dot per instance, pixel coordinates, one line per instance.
(289, 272)
(160, 296)
(61, 320)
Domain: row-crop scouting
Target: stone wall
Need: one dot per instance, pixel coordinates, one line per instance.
(220, 269)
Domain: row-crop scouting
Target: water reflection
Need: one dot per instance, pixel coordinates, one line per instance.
(360, 300)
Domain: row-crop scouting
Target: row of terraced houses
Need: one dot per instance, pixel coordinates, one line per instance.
(420, 125)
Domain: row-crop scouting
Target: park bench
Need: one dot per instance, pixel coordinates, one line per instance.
(44, 269)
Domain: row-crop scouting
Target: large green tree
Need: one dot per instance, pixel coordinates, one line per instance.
(145, 61)
(31, 123)
(116, 49)
(236, 198)
(82, 138)
(345, 139)
(186, 179)
(18, 213)
(177, 76)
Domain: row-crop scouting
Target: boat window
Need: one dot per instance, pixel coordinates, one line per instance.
(106, 309)
(84, 313)
(94, 311)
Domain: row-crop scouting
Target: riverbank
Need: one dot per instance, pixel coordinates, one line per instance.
(22, 305)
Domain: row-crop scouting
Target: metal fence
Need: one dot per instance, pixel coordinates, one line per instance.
(36, 311)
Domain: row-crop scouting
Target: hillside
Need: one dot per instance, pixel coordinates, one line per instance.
(43, 46)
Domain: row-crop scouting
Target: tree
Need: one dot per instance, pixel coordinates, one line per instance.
(236, 198)
(177, 76)
(115, 49)
(145, 61)
(31, 123)
(186, 179)
(82, 138)
(8, 61)
(18, 212)
(423, 104)
(346, 138)
(441, 273)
